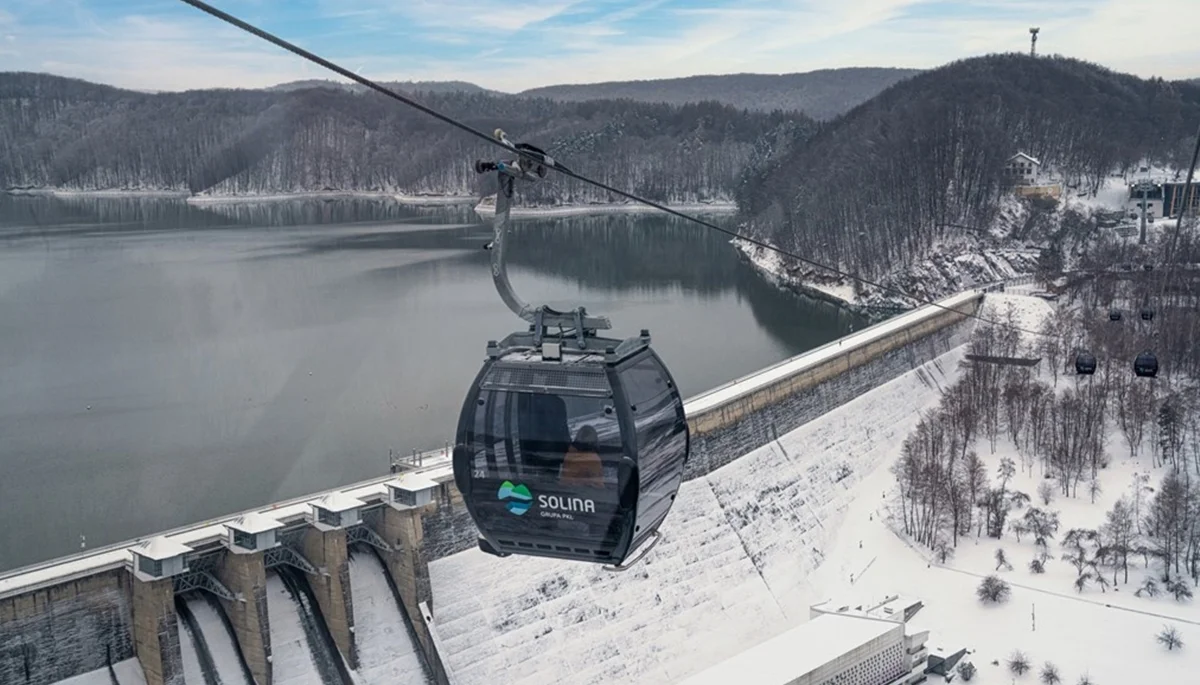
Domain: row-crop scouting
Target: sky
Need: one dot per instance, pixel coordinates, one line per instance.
(519, 44)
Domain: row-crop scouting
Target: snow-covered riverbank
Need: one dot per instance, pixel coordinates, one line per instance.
(66, 192)
(332, 195)
(488, 209)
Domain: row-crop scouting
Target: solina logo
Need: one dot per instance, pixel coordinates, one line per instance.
(518, 495)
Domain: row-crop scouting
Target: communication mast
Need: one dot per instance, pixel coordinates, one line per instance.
(1033, 41)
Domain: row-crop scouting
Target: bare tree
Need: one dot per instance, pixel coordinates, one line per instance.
(1018, 663)
(1170, 638)
(1135, 404)
(1118, 531)
(1049, 674)
(1045, 492)
(993, 589)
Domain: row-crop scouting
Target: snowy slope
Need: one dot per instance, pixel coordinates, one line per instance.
(292, 659)
(1107, 635)
(732, 571)
(386, 652)
(192, 670)
(129, 672)
(220, 643)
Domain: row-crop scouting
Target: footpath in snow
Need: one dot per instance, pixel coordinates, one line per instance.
(733, 570)
(387, 654)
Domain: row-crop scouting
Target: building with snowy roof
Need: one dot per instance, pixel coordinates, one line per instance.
(336, 510)
(1022, 169)
(833, 648)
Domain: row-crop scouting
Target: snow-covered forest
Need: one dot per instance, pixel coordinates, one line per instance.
(70, 134)
(923, 162)
(1009, 445)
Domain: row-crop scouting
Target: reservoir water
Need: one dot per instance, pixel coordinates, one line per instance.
(163, 363)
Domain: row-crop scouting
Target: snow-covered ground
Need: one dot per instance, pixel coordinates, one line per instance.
(949, 268)
(733, 570)
(1108, 635)
(291, 658)
(129, 672)
(751, 546)
(387, 654)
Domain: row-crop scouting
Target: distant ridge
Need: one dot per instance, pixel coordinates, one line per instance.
(403, 86)
(821, 94)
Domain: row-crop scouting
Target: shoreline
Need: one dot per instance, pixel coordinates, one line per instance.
(768, 263)
(64, 192)
(488, 210)
(332, 195)
(484, 210)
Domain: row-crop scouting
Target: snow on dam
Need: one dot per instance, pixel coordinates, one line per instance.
(738, 417)
(729, 573)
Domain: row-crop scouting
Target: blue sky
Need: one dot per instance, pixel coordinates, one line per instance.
(167, 45)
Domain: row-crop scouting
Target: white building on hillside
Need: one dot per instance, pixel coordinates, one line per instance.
(833, 648)
(1022, 169)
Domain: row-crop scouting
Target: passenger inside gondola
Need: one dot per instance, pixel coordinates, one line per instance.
(582, 465)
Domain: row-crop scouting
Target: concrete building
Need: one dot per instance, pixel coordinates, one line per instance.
(1153, 198)
(851, 648)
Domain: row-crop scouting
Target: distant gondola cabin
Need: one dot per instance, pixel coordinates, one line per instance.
(1146, 365)
(1085, 363)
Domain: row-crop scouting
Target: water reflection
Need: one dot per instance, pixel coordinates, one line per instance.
(162, 363)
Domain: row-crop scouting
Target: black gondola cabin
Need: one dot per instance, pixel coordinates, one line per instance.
(1146, 365)
(1147, 314)
(1085, 363)
(571, 454)
(1114, 315)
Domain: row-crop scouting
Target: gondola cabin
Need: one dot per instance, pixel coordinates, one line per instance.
(1147, 314)
(1146, 365)
(1085, 364)
(1114, 315)
(571, 454)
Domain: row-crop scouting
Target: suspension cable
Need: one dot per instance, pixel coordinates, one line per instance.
(290, 47)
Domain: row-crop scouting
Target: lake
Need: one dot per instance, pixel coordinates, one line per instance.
(163, 363)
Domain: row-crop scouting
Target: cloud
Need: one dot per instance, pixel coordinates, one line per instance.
(525, 43)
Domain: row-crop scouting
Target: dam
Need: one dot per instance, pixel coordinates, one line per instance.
(380, 581)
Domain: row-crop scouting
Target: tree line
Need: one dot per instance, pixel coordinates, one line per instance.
(66, 133)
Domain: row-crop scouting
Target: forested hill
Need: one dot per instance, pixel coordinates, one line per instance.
(874, 189)
(401, 86)
(820, 94)
(66, 133)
